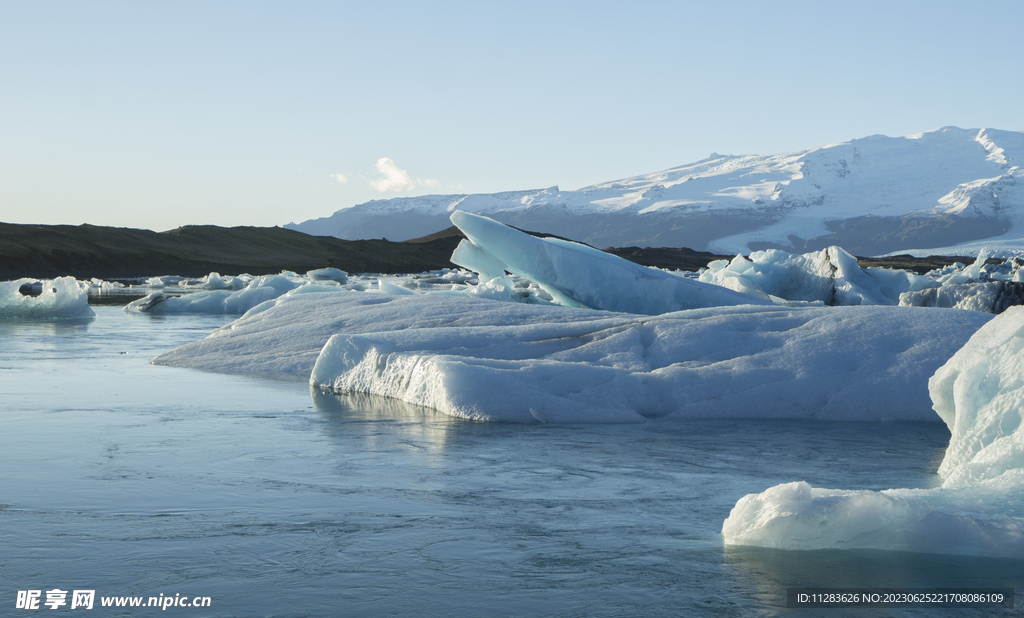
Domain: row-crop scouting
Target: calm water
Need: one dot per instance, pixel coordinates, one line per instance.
(132, 479)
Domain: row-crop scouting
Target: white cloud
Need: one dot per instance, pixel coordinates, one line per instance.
(340, 178)
(396, 179)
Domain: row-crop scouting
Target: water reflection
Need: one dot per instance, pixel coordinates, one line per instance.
(398, 422)
(17, 327)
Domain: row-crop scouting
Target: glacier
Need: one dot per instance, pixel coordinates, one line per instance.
(61, 298)
(978, 509)
(937, 192)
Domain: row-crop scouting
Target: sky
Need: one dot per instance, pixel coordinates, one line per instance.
(161, 114)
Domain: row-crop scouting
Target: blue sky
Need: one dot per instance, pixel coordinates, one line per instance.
(160, 114)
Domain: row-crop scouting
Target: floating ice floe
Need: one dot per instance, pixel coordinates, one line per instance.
(576, 275)
(180, 295)
(60, 298)
(491, 360)
(214, 281)
(259, 290)
(978, 510)
(101, 285)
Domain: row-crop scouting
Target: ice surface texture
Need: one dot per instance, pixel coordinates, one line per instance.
(59, 298)
(284, 339)
(979, 509)
(576, 275)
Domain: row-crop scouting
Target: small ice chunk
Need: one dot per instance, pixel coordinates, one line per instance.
(328, 274)
(61, 298)
(393, 289)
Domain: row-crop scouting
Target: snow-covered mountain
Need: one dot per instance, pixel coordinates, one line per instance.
(872, 195)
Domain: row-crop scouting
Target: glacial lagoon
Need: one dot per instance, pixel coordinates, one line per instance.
(272, 500)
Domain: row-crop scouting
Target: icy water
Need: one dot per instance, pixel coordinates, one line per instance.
(132, 479)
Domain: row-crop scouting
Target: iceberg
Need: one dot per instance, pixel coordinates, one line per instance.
(989, 296)
(849, 363)
(830, 276)
(60, 298)
(833, 277)
(576, 275)
(978, 287)
(978, 509)
(505, 361)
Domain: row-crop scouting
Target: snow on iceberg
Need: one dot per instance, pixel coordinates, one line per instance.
(978, 510)
(60, 298)
(830, 276)
(576, 275)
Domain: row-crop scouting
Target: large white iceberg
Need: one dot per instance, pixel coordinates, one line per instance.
(515, 362)
(60, 298)
(978, 510)
(576, 275)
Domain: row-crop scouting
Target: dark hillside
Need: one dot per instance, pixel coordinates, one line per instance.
(86, 251)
